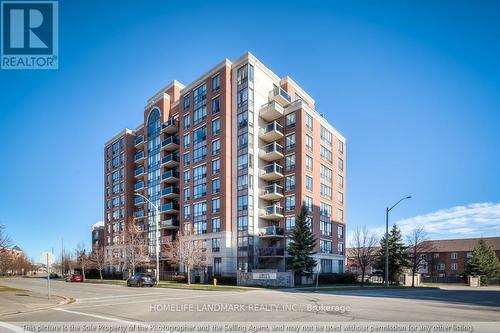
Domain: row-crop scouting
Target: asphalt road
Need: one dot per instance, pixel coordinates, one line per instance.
(110, 303)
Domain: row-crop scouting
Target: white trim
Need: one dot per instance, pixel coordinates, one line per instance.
(209, 74)
(119, 135)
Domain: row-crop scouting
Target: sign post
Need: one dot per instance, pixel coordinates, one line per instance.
(49, 259)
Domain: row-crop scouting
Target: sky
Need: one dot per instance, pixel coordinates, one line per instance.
(413, 86)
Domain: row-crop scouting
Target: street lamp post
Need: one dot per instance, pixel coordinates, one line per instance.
(156, 219)
(387, 210)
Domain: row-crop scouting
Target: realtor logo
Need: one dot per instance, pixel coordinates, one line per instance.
(29, 35)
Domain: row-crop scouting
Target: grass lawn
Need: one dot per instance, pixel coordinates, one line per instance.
(176, 285)
(351, 287)
(4, 288)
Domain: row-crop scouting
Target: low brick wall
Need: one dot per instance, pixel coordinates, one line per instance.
(266, 278)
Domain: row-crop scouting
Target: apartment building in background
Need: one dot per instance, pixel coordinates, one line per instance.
(97, 236)
(231, 156)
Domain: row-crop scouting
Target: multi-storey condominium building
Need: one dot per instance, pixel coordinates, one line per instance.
(232, 156)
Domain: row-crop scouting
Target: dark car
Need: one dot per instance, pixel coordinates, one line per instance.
(140, 279)
(74, 278)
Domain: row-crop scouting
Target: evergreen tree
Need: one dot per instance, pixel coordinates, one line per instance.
(484, 262)
(301, 247)
(398, 255)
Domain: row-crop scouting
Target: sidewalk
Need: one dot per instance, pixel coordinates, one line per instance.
(19, 301)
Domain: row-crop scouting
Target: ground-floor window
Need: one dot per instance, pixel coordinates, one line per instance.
(341, 266)
(326, 266)
(217, 266)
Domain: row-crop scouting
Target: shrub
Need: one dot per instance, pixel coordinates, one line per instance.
(337, 278)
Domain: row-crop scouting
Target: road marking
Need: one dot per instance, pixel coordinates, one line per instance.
(116, 296)
(12, 328)
(102, 317)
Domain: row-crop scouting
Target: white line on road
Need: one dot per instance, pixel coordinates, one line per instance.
(102, 317)
(116, 296)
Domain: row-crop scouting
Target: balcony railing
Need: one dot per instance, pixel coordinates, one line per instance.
(279, 95)
(139, 186)
(272, 192)
(271, 132)
(139, 156)
(138, 200)
(170, 223)
(139, 213)
(170, 175)
(273, 168)
(171, 159)
(139, 140)
(272, 231)
(169, 207)
(273, 212)
(170, 127)
(170, 191)
(271, 152)
(172, 143)
(273, 147)
(139, 171)
(271, 111)
(271, 252)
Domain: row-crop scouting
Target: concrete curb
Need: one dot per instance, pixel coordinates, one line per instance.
(65, 300)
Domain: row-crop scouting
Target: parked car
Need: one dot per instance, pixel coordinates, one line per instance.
(140, 280)
(74, 278)
(54, 276)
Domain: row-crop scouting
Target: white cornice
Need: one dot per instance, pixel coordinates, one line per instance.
(119, 135)
(198, 81)
(158, 95)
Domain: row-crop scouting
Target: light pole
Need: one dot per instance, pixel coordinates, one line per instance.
(157, 233)
(387, 210)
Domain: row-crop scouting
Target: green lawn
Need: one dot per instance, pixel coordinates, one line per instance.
(4, 288)
(176, 285)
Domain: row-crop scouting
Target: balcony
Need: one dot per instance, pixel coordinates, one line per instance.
(139, 186)
(170, 208)
(171, 223)
(139, 157)
(139, 141)
(279, 95)
(139, 171)
(170, 144)
(170, 176)
(170, 127)
(272, 132)
(273, 212)
(272, 192)
(271, 252)
(271, 232)
(271, 111)
(170, 160)
(271, 152)
(272, 172)
(139, 214)
(139, 200)
(170, 192)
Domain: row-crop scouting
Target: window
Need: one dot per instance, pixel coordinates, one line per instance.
(216, 205)
(216, 186)
(215, 147)
(309, 142)
(216, 82)
(325, 227)
(242, 202)
(290, 183)
(290, 203)
(187, 194)
(290, 120)
(340, 214)
(470, 255)
(454, 266)
(436, 255)
(341, 164)
(309, 122)
(200, 172)
(199, 190)
(289, 222)
(340, 197)
(441, 267)
(200, 135)
(290, 141)
(215, 167)
(199, 104)
(340, 146)
(242, 182)
(200, 153)
(217, 266)
(325, 246)
(187, 212)
(243, 223)
(340, 231)
(215, 244)
(326, 136)
(309, 163)
(186, 141)
(186, 159)
(454, 255)
(340, 248)
(186, 102)
(216, 224)
(290, 162)
(216, 127)
(200, 209)
(186, 122)
(326, 266)
(325, 153)
(215, 105)
(340, 181)
(186, 177)
(309, 183)
(308, 202)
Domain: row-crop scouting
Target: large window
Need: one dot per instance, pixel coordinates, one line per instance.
(290, 141)
(216, 147)
(153, 155)
(199, 104)
(309, 122)
(290, 162)
(215, 105)
(216, 82)
(325, 246)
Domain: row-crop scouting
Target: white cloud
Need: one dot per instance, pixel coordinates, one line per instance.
(474, 220)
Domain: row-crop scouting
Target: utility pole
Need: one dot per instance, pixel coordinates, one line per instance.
(62, 256)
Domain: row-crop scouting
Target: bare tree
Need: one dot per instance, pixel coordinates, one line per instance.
(135, 249)
(192, 254)
(81, 257)
(5, 240)
(364, 249)
(171, 251)
(418, 248)
(97, 260)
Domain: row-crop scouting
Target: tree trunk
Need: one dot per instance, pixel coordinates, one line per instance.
(83, 271)
(362, 276)
(188, 275)
(100, 273)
